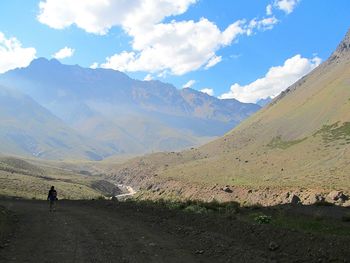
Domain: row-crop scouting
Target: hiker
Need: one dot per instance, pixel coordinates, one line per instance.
(52, 197)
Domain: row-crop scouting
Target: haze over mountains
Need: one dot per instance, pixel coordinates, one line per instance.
(301, 139)
(104, 112)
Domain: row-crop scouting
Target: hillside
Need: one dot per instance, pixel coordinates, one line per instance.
(27, 178)
(28, 129)
(299, 141)
(127, 115)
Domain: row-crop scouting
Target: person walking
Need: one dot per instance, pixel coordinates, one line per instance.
(52, 198)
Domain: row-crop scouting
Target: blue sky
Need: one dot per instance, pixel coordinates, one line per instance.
(243, 49)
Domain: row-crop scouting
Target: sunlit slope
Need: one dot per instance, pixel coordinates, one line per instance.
(29, 178)
(302, 139)
(28, 129)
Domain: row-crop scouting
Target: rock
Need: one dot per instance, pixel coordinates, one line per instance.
(319, 198)
(227, 189)
(199, 252)
(313, 199)
(295, 200)
(347, 204)
(337, 196)
(273, 246)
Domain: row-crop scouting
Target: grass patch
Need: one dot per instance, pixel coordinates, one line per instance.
(194, 206)
(311, 224)
(335, 132)
(263, 219)
(278, 142)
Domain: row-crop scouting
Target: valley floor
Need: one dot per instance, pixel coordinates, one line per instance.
(108, 231)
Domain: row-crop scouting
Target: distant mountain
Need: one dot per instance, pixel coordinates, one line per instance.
(28, 129)
(263, 102)
(130, 116)
(300, 140)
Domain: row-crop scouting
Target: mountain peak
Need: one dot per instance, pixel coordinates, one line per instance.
(44, 61)
(344, 45)
(343, 48)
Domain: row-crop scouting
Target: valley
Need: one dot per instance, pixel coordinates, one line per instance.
(174, 131)
(296, 145)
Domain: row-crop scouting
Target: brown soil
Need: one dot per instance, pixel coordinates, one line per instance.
(107, 231)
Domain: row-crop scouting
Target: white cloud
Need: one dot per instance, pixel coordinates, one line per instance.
(179, 47)
(210, 92)
(263, 24)
(189, 84)
(286, 6)
(275, 81)
(65, 52)
(213, 61)
(235, 56)
(269, 10)
(148, 77)
(98, 16)
(176, 47)
(13, 55)
(94, 65)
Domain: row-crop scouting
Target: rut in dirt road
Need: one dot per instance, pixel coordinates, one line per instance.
(106, 231)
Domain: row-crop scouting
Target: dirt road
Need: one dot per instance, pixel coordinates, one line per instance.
(106, 231)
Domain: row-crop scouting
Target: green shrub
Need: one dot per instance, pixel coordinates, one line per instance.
(263, 219)
(196, 209)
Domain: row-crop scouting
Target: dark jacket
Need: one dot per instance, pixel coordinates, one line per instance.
(52, 196)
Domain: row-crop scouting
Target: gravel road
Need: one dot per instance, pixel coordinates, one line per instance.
(106, 231)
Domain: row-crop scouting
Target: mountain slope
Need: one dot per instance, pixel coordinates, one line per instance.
(28, 129)
(130, 116)
(301, 139)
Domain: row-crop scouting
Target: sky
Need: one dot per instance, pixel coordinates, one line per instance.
(242, 49)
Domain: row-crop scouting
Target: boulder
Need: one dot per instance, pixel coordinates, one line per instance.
(273, 246)
(337, 196)
(227, 189)
(295, 200)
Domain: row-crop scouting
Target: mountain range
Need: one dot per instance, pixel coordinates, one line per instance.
(104, 112)
(300, 140)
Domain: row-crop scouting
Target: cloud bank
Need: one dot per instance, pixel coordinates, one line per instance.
(275, 81)
(65, 52)
(189, 84)
(208, 91)
(175, 47)
(13, 55)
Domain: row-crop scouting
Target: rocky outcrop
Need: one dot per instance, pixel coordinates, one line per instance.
(337, 196)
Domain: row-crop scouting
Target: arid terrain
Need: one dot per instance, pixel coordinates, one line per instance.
(108, 231)
(298, 145)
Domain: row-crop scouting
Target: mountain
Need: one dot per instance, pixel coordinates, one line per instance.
(127, 115)
(29, 129)
(301, 140)
(263, 102)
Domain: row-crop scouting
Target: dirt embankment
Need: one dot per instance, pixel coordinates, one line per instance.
(144, 177)
(266, 196)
